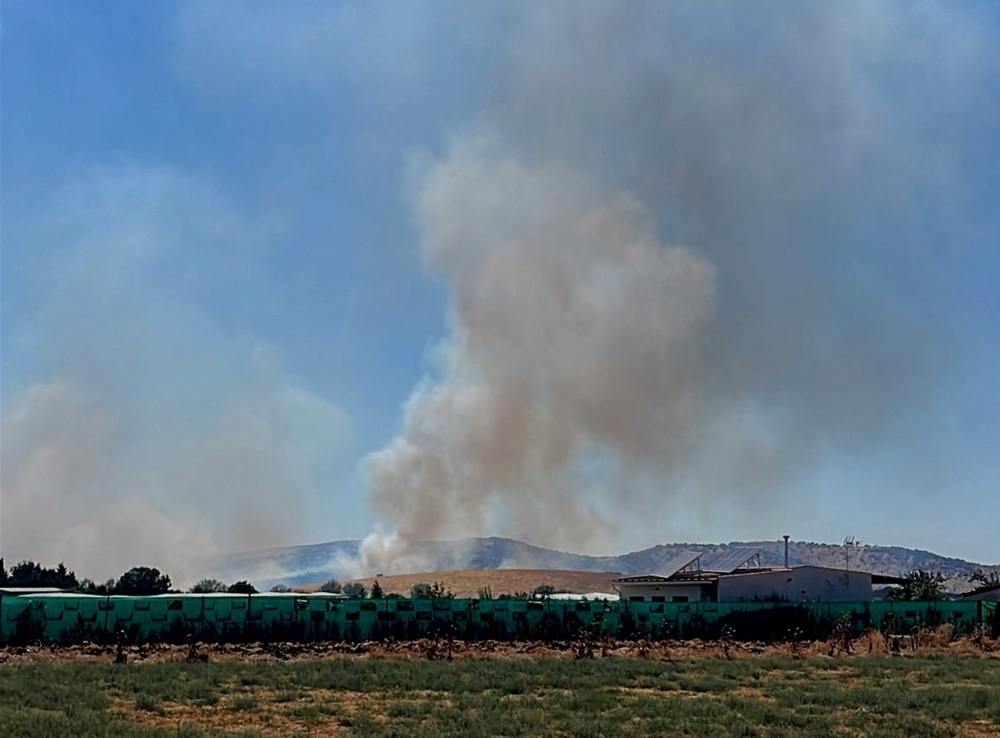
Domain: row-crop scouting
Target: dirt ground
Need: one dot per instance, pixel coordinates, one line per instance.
(924, 643)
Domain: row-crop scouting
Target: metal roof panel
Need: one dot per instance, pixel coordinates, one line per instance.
(731, 559)
(678, 562)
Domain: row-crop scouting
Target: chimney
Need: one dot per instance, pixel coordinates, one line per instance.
(786, 551)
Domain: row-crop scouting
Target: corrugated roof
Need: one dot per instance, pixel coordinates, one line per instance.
(695, 577)
(30, 590)
(64, 595)
(587, 596)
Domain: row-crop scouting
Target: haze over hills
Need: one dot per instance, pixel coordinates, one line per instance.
(309, 564)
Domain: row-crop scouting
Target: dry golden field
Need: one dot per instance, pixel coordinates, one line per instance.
(467, 582)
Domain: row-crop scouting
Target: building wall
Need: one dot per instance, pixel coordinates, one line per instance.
(992, 596)
(800, 584)
(649, 591)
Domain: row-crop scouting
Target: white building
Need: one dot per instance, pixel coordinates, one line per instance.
(739, 577)
(798, 584)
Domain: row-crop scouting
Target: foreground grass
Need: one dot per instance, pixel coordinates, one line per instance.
(768, 697)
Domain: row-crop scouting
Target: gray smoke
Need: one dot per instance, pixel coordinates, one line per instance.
(153, 437)
(567, 317)
(689, 259)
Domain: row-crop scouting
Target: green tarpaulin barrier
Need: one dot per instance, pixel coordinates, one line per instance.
(74, 618)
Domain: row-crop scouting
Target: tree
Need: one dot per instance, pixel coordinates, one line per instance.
(333, 587)
(3, 573)
(142, 581)
(436, 591)
(282, 588)
(89, 586)
(920, 586)
(207, 586)
(440, 592)
(420, 590)
(377, 593)
(355, 589)
(484, 593)
(242, 587)
(544, 590)
(30, 574)
(986, 579)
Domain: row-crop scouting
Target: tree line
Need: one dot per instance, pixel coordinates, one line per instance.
(139, 581)
(142, 581)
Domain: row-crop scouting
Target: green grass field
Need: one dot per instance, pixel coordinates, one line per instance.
(867, 696)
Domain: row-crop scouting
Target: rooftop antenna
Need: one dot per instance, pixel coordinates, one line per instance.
(849, 543)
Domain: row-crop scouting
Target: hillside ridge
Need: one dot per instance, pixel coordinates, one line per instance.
(317, 562)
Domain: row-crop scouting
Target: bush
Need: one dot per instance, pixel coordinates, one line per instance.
(355, 589)
(142, 581)
(242, 587)
(436, 591)
(920, 586)
(207, 586)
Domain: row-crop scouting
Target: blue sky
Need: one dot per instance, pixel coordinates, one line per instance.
(595, 276)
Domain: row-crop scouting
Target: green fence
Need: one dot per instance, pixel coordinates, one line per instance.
(269, 617)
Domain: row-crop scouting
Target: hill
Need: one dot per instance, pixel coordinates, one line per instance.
(468, 582)
(302, 565)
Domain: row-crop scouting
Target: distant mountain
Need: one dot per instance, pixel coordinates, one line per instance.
(298, 565)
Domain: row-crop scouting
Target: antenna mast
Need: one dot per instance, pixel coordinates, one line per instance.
(849, 543)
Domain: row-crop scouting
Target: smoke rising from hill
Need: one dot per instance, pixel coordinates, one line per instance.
(686, 265)
(572, 329)
(705, 264)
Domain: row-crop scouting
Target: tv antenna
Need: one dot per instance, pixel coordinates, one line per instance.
(849, 543)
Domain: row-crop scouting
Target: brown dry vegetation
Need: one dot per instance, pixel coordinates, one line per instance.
(467, 582)
(938, 642)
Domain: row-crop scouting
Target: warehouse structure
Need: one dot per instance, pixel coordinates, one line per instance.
(738, 576)
(988, 593)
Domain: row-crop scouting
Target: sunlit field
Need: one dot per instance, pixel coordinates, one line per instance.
(754, 695)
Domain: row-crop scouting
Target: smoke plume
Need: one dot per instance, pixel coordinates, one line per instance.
(573, 330)
(153, 437)
(685, 266)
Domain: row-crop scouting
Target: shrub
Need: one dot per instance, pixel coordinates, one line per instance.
(142, 581)
(333, 587)
(207, 586)
(242, 587)
(355, 589)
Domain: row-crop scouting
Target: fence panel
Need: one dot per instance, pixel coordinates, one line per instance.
(62, 618)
